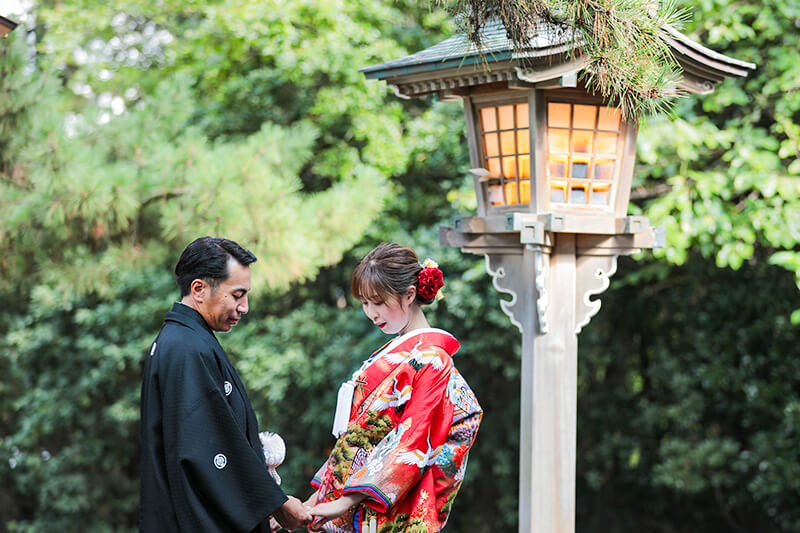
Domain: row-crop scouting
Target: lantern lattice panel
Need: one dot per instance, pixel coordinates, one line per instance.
(505, 135)
(584, 144)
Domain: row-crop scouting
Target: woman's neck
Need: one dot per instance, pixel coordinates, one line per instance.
(416, 320)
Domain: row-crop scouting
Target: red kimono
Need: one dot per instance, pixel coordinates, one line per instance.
(412, 422)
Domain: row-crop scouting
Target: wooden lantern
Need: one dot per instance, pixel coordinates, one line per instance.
(552, 166)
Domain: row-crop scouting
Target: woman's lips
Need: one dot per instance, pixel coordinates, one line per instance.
(381, 326)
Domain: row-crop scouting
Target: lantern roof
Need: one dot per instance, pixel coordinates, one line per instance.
(457, 63)
(6, 26)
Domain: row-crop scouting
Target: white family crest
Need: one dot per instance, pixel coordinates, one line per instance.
(220, 461)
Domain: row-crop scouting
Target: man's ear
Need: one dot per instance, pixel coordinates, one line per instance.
(199, 290)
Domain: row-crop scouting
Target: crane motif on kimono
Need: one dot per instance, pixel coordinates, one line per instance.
(421, 357)
(420, 458)
(376, 458)
(395, 398)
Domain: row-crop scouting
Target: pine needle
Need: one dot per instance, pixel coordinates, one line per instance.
(628, 61)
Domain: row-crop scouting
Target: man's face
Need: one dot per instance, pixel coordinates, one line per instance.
(223, 308)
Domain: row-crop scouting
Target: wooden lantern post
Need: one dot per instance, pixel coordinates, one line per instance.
(552, 167)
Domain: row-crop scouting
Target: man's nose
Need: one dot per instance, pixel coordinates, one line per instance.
(243, 306)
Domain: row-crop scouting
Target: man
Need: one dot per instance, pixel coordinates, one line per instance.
(203, 467)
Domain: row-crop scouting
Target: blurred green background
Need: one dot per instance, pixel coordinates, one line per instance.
(129, 128)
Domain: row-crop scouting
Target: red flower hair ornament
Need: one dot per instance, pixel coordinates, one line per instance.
(430, 280)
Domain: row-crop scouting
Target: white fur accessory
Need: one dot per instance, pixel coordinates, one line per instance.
(274, 452)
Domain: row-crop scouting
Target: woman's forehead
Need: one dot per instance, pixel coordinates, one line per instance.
(371, 291)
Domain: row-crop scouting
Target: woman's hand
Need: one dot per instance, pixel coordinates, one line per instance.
(312, 500)
(330, 510)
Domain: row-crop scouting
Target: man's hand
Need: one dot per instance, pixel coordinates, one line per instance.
(274, 526)
(292, 514)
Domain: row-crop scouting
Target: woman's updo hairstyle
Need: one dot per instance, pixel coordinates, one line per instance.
(388, 271)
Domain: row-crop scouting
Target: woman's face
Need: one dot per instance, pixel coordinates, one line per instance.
(391, 314)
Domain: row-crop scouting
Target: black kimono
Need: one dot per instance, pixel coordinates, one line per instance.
(203, 467)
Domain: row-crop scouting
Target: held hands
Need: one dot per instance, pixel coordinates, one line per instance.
(274, 526)
(330, 510)
(292, 515)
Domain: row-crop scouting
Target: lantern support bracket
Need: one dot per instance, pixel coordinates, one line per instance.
(596, 236)
(634, 224)
(531, 229)
(555, 222)
(517, 221)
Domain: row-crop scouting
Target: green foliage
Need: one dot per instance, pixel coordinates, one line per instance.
(729, 162)
(71, 405)
(146, 149)
(688, 403)
(145, 183)
(701, 372)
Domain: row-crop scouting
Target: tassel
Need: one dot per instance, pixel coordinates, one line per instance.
(344, 403)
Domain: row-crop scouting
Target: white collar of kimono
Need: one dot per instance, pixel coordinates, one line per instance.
(389, 347)
(402, 338)
(344, 400)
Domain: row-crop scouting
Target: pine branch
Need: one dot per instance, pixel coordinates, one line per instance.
(629, 63)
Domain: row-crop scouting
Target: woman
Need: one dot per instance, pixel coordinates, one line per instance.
(406, 419)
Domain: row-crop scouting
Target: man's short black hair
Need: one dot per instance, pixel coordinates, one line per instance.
(207, 258)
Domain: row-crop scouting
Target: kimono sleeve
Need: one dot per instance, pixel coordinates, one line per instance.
(316, 481)
(222, 479)
(403, 456)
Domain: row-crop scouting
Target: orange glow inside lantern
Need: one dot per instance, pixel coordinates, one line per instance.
(507, 152)
(583, 150)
